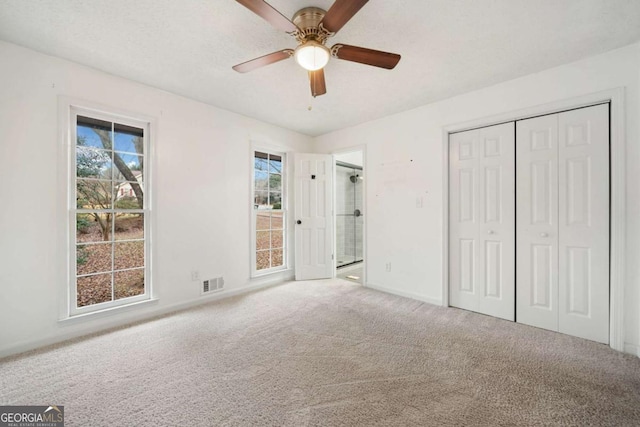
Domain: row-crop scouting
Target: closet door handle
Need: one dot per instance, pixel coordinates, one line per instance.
(491, 232)
(544, 235)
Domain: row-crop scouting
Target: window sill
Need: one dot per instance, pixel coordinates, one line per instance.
(271, 273)
(84, 317)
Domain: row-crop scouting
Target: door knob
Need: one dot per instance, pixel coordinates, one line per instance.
(491, 232)
(544, 235)
(298, 222)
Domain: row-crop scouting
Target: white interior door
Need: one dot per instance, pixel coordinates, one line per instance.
(481, 219)
(563, 222)
(537, 221)
(312, 214)
(584, 223)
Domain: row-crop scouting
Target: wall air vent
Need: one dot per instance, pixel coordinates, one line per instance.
(212, 285)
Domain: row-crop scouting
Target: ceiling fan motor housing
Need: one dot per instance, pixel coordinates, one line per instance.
(308, 21)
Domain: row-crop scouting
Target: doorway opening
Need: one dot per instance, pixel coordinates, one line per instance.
(349, 214)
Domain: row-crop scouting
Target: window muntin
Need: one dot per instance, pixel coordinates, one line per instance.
(109, 211)
(268, 212)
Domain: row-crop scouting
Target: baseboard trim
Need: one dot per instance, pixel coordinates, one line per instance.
(131, 318)
(423, 298)
(632, 349)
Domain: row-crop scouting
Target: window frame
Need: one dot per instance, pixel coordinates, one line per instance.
(254, 211)
(72, 210)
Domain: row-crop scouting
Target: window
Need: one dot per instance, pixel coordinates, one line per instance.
(109, 213)
(268, 213)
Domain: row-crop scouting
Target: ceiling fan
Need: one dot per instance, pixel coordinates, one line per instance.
(312, 27)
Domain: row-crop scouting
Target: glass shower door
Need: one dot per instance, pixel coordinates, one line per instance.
(358, 216)
(349, 220)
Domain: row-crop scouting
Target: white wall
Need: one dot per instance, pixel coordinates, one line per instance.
(404, 166)
(202, 200)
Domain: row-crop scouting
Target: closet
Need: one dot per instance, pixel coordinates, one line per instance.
(529, 221)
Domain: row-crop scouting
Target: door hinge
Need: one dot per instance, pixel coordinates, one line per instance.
(332, 257)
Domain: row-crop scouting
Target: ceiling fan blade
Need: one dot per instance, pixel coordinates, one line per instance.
(263, 60)
(340, 12)
(366, 56)
(318, 85)
(269, 14)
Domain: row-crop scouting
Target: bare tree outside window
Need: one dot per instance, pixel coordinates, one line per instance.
(110, 203)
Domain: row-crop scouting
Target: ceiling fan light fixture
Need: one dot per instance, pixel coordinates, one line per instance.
(312, 55)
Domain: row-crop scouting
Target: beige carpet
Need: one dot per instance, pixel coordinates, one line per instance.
(328, 353)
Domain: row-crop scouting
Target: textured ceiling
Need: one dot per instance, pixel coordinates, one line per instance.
(448, 47)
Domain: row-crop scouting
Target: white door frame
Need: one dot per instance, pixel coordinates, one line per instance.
(618, 197)
(362, 148)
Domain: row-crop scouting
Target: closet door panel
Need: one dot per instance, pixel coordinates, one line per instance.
(463, 220)
(497, 221)
(481, 218)
(584, 223)
(537, 221)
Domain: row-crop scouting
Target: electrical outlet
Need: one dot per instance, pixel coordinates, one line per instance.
(195, 275)
(388, 267)
(419, 202)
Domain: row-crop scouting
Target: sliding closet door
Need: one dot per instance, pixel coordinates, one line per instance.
(537, 221)
(562, 186)
(584, 223)
(481, 219)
